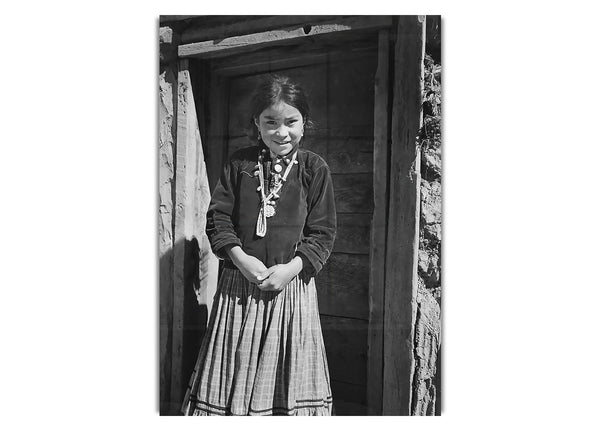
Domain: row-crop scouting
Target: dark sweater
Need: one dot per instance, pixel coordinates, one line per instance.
(304, 224)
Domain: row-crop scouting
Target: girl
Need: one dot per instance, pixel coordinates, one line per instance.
(272, 220)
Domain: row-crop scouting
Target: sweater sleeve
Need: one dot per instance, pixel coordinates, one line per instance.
(219, 225)
(320, 226)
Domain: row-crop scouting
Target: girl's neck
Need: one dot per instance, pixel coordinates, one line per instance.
(287, 155)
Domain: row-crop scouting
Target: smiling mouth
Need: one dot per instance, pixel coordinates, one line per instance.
(283, 143)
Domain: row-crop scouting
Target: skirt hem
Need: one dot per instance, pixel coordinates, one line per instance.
(263, 354)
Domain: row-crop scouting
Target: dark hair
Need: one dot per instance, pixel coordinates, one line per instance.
(277, 88)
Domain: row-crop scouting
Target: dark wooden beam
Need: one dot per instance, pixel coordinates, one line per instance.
(378, 228)
(175, 18)
(403, 217)
(247, 25)
(237, 44)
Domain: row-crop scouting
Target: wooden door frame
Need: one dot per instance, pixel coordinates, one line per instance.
(396, 184)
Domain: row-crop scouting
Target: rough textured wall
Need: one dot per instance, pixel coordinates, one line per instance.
(165, 221)
(167, 130)
(166, 138)
(428, 324)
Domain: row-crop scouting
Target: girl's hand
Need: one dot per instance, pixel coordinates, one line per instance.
(250, 267)
(278, 276)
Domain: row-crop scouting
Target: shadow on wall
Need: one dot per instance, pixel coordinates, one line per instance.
(182, 322)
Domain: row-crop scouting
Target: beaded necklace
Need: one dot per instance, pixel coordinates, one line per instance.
(267, 207)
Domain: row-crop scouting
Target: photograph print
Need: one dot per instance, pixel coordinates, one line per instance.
(299, 219)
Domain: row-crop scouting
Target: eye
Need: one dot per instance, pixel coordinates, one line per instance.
(292, 121)
(270, 122)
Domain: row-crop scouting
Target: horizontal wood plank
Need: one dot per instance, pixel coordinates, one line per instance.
(270, 64)
(350, 155)
(353, 193)
(343, 156)
(236, 44)
(346, 346)
(318, 146)
(350, 89)
(353, 234)
(343, 286)
(343, 131)
(278, 58)
(248, 24)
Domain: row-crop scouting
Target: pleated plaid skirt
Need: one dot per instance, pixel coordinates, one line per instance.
(263, 353)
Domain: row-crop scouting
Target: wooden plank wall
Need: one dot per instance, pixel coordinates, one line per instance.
(343, 284)
(342, 108)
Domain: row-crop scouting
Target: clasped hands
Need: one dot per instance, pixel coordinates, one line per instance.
(274, 278)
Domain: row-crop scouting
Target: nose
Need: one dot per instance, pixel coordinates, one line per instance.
(282, 131)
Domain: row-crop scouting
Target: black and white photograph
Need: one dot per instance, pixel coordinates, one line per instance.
(361, 212)
(300, 230)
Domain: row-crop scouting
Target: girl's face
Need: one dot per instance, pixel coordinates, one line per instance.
(281, 127)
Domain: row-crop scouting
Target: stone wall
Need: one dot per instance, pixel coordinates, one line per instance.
(426, 378)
